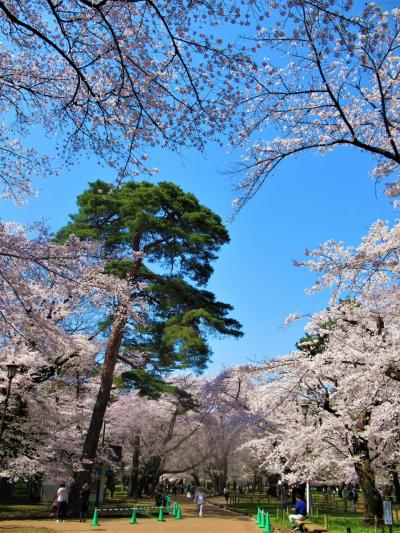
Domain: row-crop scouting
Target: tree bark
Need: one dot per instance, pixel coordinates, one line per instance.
(396, 482)
(196, 478)
(224, 476)
(134, 477)
(91, 443)
(366, 477)
(103, 396)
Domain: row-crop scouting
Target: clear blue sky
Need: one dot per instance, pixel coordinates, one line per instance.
(308, 201)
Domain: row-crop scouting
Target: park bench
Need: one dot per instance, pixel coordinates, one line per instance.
(310, 527)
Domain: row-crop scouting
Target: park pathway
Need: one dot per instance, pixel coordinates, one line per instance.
(215, 520)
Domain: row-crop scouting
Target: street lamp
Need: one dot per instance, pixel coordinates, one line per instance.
(11, 371)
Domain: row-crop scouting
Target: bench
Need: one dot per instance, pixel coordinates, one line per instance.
(310, 527)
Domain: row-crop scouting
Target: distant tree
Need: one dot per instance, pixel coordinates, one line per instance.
(158, 239)
(332, 79)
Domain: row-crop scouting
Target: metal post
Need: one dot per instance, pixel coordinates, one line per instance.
(308, 496)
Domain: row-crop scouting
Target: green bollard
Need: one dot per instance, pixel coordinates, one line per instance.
(95, 519)
(178, 513)
(133, 517)
(258, 517)
(267, 528)
(161, 515)
(174, 509)
(262, 520)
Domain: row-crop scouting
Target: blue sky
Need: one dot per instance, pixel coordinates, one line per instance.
(307, 201)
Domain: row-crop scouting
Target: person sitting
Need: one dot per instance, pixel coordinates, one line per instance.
(300, 510)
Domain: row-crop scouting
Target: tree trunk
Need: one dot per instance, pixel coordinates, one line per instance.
(196, 478)
(103, 396)
(366, 477)
(224, 471)
(396, 482)
(134, 477)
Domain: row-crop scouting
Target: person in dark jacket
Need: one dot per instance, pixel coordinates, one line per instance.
(84, 502)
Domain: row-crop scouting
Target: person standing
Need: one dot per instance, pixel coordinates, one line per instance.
(62, 499)
(300, 510)
(200, 499)
(84, 502)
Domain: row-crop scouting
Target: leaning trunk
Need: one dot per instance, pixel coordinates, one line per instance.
(103, 396)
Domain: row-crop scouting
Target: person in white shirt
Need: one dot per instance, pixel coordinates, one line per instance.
(200, 499)
(62, 499)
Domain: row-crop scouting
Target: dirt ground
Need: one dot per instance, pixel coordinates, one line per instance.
(215, 520)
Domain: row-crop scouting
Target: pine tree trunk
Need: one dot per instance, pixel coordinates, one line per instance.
(103, 396)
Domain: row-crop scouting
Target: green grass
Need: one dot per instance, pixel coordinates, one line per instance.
(6, 507)
(338, 519)
(27, 510)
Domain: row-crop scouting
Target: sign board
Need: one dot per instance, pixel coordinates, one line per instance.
(387, 513)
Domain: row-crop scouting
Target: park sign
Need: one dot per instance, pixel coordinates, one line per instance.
(387, 513)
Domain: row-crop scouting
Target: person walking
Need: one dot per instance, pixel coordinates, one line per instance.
(300, 510)
(226, 495)
(62, 499)
(84, 502)
(353, 497)
(200, 499)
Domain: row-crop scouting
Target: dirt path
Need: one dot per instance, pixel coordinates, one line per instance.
(215, 520)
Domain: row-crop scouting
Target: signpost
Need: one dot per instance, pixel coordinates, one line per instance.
(388, 514)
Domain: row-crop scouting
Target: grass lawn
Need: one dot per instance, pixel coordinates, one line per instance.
(6, 507)
(32, 510)
(24, 510)
(338, 519)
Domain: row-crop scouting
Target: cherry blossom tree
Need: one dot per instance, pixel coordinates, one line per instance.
(334, 403)
(161, 435)
(330, 79)
(113, 77)
(50, 299)
(228, 422)
(195, 428)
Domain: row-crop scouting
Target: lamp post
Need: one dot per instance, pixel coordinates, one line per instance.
(11, 371)
(304, 406)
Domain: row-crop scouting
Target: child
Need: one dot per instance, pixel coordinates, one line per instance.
(200, 499)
